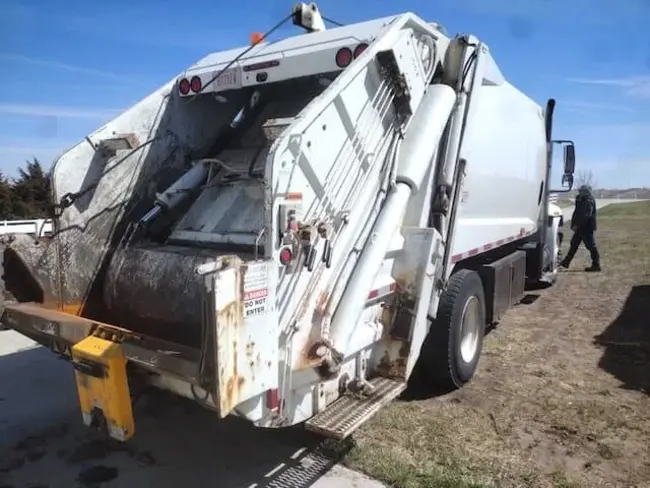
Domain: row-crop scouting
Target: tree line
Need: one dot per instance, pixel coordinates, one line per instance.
(26, 196)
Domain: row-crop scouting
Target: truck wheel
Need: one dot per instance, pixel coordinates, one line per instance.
(453, 346)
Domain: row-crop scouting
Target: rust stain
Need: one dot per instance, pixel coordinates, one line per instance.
(321, 303)
(307, 361)
(394, 367)
(229, 321)
(71, 308)
(387, 317)
(320, 307)
(405, 282)
(307, 357)
(242, 279)
(252, 366)
(250, 350)
(233, 385)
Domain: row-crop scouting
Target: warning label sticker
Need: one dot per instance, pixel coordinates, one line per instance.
(251, 295)
(256, 290)
(255, 303)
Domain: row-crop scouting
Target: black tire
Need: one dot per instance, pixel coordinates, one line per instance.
(441, 355)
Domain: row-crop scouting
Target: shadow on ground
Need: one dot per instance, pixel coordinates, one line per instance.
(43, 442)
(626, 342)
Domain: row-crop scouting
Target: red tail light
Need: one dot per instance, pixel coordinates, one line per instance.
(286, 256)
(272, 399)
(195, 84)
(343, 57)
(360, 49)
(184, 86)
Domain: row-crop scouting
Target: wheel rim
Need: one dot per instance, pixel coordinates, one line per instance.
(470, 329)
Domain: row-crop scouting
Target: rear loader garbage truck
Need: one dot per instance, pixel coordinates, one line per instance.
(284, 231)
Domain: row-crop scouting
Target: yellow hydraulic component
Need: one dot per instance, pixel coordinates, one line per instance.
(100, 369)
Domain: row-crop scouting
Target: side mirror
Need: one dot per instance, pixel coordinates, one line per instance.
(569, 159)
(567, 181)
(569, 163)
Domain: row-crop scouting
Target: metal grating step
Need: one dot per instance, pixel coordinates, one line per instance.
(349, 412)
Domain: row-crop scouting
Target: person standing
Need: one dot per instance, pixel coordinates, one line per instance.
(583, 224)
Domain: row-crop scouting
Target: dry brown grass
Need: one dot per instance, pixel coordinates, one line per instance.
(562, 395)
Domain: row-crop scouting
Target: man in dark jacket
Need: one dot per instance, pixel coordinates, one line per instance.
(583, 224)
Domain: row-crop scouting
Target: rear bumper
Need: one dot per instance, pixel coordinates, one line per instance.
(60, 331)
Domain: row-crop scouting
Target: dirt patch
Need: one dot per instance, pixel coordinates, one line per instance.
(562, 396)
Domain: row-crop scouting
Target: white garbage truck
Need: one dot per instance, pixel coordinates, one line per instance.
(287, 230)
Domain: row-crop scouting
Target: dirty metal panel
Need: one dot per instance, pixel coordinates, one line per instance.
(246, 336)
(504, 282)
(32, 319)
(112, 191)
(414, 271)
(229, 211)
(61, 330)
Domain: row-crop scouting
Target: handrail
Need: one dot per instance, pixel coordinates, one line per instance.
(40, 227)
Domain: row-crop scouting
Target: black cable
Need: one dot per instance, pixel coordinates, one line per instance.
(471, 60)
(70, 197)
(247, 50)
(338, 24)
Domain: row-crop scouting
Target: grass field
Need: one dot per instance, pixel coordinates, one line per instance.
(562, 395)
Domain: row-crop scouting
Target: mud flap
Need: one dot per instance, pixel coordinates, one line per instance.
(102, 385)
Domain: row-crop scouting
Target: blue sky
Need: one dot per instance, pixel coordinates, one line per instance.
(69, 66)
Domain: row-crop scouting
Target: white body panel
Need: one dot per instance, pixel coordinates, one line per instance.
(506, 168)
(296, 56)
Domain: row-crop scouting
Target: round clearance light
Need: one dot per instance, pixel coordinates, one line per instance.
(285, 256)
(195, 84)
(184, 86)
(343, 57)
(360, 49)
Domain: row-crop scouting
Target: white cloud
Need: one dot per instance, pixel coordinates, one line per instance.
(638, 86)
(54, 111)
(64, 66)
